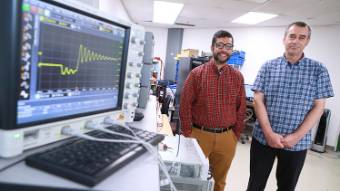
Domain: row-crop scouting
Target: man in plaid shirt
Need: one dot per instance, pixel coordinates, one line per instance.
(212, 107)
(290, 95)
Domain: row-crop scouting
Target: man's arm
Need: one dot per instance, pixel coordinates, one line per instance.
(241, 110)
(273, 139)
(187, 97)
(308, 123)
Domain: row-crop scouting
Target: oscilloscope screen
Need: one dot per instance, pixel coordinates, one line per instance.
(72, 60)
(72, 63)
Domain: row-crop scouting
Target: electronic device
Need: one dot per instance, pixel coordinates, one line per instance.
(89, 162)
(63, 64)
(189, 170)
(249, 92)
(144, 91)
(190, 161)
(320, 140)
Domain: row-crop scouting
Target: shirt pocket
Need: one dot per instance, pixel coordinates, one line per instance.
(307, 89)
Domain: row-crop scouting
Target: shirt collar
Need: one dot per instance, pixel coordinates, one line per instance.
(214, 67)
(301, 60)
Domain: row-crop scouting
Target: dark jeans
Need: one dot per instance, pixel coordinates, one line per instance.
(289, 166)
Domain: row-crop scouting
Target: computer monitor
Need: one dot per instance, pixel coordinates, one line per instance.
(249, 92)
(58, 63)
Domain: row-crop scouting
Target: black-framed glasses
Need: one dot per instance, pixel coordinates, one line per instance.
(227, 46)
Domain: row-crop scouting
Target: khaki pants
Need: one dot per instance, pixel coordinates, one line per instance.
(219, 148)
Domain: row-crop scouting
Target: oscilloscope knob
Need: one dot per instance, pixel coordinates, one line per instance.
(142, 42)
(131, 63)
(139, 64)
(129, 75)
(128, 85)
(127, 96)
(134, 104)
(137, 85)
(141, 54)
(90, 124)
(138, 75)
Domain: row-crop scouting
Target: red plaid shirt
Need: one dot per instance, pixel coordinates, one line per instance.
(213, 98)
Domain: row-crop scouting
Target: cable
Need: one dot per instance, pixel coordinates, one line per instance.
(179, 133)
(249, 114)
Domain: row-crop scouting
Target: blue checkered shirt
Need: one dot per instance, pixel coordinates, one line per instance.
(289, 93)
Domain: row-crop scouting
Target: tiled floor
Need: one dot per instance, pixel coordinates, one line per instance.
(321, 172)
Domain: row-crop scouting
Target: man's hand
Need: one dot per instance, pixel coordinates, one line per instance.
(290, 140)
(274, 140)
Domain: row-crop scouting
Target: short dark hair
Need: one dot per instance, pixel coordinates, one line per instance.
(222, 34)
(299, 24)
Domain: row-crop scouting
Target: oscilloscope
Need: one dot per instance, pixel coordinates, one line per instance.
(63, 65)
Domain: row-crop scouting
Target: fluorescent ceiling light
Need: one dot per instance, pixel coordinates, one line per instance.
(253, 18)
(166, 12)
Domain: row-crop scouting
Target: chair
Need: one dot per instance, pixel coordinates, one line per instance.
(165, 105)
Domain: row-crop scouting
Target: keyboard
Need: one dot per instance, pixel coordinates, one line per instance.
(89, 162)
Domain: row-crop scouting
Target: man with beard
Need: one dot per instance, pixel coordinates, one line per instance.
(212, 107)
(290, 95)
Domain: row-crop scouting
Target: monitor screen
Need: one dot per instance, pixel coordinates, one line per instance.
(249, 92)
(72, 63)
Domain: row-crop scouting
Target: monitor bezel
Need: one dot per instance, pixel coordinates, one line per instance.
(15, 61)
(251, 85)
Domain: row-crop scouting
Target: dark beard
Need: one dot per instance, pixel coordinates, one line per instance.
(218, 60)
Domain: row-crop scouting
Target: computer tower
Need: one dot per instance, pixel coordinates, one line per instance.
(319, 143)
(338, 144)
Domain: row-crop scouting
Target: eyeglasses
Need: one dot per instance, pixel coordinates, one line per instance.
(225, 46)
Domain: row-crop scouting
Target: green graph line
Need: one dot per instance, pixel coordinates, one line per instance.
(84, 55)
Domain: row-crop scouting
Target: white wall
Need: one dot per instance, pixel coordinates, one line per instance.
(261, 44)
(160, 35)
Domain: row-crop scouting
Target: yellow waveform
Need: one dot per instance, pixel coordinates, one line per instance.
(84, 55)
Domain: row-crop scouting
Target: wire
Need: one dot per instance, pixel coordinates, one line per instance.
(249, 114)
(179, 133)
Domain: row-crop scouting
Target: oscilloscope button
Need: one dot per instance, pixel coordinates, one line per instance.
(126, 106)
(137, 85)
(128, 85)
(131, 63)
(127, 95)
(139, 64)
(133, 39)
(141, 54)
(138, 75)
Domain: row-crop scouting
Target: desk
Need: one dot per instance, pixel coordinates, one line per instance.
(142, 174)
